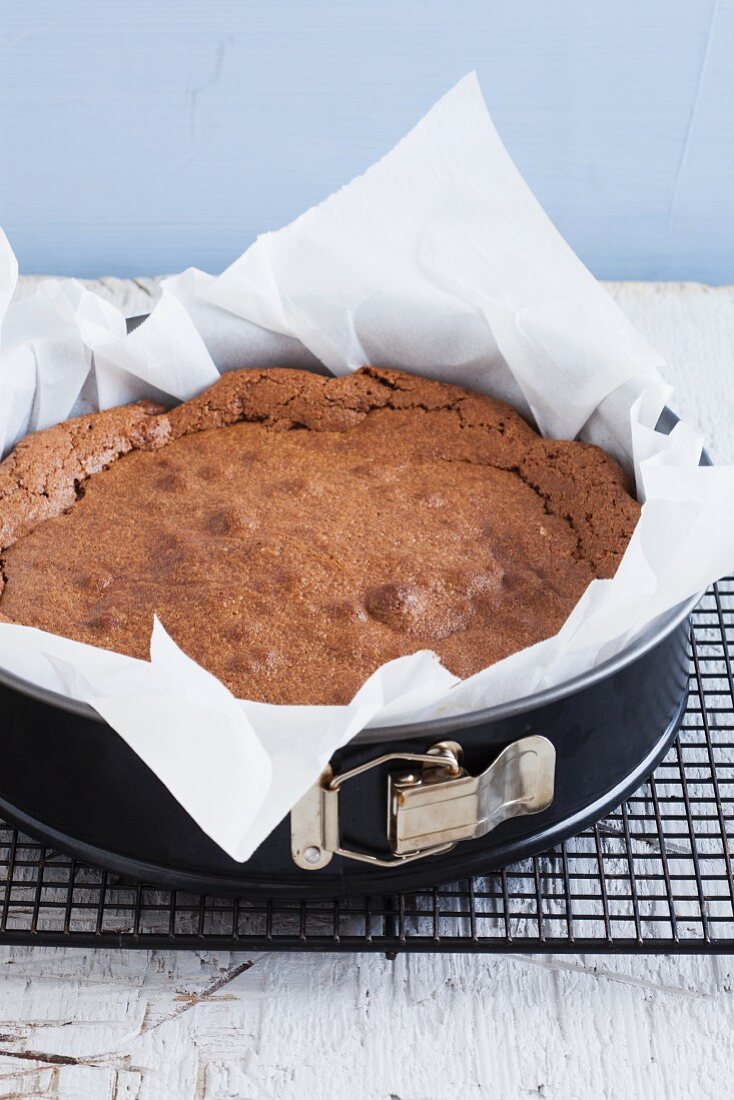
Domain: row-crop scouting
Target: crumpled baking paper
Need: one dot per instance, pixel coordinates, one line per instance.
(438, 260)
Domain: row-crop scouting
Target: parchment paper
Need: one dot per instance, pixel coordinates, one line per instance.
(438, 260)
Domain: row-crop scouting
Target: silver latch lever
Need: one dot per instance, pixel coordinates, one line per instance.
(444, 809)
(432, 807)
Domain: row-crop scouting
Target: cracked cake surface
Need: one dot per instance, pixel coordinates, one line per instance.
(294, 532)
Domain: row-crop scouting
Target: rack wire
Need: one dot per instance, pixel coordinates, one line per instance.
(654, 876)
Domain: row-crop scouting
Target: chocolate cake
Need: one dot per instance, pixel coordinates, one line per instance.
(294, 532)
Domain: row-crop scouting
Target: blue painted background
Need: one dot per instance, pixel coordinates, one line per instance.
(140, 137)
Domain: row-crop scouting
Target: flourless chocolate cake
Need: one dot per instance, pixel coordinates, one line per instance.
(294, 532)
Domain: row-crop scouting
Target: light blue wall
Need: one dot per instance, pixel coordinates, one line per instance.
(144, 136)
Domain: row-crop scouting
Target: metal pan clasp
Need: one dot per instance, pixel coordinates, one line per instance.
(431, 807)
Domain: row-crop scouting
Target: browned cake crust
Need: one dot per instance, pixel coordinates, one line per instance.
(294, 532)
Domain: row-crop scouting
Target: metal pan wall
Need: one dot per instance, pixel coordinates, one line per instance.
(72, 782)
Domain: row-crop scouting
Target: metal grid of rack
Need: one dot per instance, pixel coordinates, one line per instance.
(656, 875)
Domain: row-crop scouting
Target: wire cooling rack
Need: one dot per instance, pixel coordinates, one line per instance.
(656, 875)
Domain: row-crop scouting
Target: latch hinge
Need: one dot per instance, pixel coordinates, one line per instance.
(431, 807)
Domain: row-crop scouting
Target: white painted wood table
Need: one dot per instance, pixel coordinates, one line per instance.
(153, 1025)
